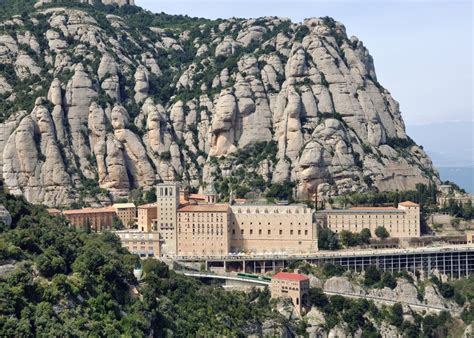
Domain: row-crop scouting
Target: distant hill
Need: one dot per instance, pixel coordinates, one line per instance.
(450, 144)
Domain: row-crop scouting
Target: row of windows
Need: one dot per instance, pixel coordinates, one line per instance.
(275, 211)
(211, 232)
(269, 223)
(269, 232)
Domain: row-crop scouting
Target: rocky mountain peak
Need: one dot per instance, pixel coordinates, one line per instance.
(130, 98)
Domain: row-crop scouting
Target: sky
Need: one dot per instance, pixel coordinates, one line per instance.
(423, 50)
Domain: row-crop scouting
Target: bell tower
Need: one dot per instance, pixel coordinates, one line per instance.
(167, 203)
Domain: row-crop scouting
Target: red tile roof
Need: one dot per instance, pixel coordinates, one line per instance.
(290, 276)
(373, 208)
(408, 204)
(89, 211)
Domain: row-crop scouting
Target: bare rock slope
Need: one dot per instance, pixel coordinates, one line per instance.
(111, 102)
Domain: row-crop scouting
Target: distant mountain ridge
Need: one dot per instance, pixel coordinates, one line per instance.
(99, 101)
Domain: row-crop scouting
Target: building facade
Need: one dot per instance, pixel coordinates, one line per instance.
(167, 203)
(400, 222)
(272, 229)
(147, 217)
(202, 227)
(294, 286)
(95, 219)
(126, 212)
(203, 230)
(143, 244)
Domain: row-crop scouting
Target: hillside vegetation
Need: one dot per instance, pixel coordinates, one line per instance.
(99, 102)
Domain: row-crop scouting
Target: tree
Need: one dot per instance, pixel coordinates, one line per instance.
(327, 240)
(372, 276)
(349, 239)
(446, 290)
(381, 232)
(318, 298)
(155, 267)
(365, 236)
(388, 280)
(396, 315)
(117, 223)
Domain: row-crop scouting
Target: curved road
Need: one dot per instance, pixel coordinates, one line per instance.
(331, 293)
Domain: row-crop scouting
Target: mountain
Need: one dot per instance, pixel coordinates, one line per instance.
(101, 101)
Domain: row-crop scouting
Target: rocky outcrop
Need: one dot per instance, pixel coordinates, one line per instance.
(130, 107)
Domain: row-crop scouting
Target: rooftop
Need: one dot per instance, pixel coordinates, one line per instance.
(197, 197)
(204, 208)
(88, 210)
(123, 205)
(373, 208)
(408, 204)
(290, 276)
(362, 211)
(147, 206)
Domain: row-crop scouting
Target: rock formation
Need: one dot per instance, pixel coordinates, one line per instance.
(129, 105)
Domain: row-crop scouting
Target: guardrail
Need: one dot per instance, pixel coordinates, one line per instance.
(331, 254)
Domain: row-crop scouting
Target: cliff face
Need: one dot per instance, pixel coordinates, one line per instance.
(127, 99)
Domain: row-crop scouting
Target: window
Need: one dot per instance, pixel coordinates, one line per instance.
(299, 232)
(269, 231)
(260, 231)
(306, 232)
(280, 232)
(291, 232)
(242, 231)
(251, 231)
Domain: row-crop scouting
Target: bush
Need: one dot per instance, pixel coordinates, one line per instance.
(388, 280)
(381, 232)
(327, 240)
(331, 270)
(318, 298)
(365, 236)
(371, 276)
(396, 315)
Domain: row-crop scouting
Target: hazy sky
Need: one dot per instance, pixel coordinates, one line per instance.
(423, 50)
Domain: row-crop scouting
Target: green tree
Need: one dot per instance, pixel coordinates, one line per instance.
(388, 280)
(381, 232)
(365, 236)
(318, 298)
(327, 240)
(117, 223)
(396, 315)
(371, 276)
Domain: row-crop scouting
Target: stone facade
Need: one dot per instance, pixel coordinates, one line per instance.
(291, 285)
(206, 228)
(95, 219)
(272, 228)
(203, 230)
(400, 222)
(144, 244)
(146, 217)
(167, 205)
(126, 212)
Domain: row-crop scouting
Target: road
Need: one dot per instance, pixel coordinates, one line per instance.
(386, 301)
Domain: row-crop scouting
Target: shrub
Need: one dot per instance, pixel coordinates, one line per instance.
(327, 240)
(381, 232)
(372, 276)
